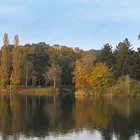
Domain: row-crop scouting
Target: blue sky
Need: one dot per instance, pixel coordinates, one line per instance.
(87, 24)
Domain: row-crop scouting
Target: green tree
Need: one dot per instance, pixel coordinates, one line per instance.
(136, 72)
(34, 77)
(134, 62)
(106, 56)
(39, 57)
(28, 71)
(26, 65)
(124, 60)
(65, 57)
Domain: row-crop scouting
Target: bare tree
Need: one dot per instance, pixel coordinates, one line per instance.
(54, 75)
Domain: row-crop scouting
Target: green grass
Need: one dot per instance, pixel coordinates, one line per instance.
(135, 88)
(36, 91)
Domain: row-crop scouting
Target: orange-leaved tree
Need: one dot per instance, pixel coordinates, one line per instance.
(81, 75)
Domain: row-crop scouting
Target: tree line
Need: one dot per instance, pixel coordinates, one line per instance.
(42, 64)
(35, 64)
(117, 69)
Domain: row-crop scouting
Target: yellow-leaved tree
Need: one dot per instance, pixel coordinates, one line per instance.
(5, 62)
(92, 77)
(101, 77)
(15, 77)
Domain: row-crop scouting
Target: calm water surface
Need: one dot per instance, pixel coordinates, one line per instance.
(67, 118)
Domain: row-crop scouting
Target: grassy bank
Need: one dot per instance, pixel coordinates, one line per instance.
(29, 90)
(118, 90)
(81, 93)
(123, 87)
(41, 91)
(49, 91)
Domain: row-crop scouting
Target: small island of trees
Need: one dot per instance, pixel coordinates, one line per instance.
(37, 67)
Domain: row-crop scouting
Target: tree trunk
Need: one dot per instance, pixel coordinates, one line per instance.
(39, 80)
(54, 85)
(26, 76)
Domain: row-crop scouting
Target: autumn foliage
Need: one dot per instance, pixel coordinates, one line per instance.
(55, 65)
(101, 76)
(94, 77)
(15, 76)
(5, 62)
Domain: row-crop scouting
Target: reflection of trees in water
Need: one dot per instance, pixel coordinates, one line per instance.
(21, 115)
(4, 119)
(37, 116)
(16, 116)
(92, 112)
(118, 117)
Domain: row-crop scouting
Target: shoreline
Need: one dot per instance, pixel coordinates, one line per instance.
(106, 95)
(49, 91)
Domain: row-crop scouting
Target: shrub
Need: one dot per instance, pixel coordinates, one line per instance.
(135, 87)
(122, 86)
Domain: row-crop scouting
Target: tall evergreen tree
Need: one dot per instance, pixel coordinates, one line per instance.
(107, 56)
(124, 61)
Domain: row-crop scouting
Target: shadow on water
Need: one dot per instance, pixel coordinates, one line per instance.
(45, 116)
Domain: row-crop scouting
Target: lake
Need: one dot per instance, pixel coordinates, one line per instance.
(69, 118)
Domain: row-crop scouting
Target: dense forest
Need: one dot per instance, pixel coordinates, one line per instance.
(40, 64)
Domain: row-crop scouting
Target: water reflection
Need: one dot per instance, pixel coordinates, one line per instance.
(67, 117)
